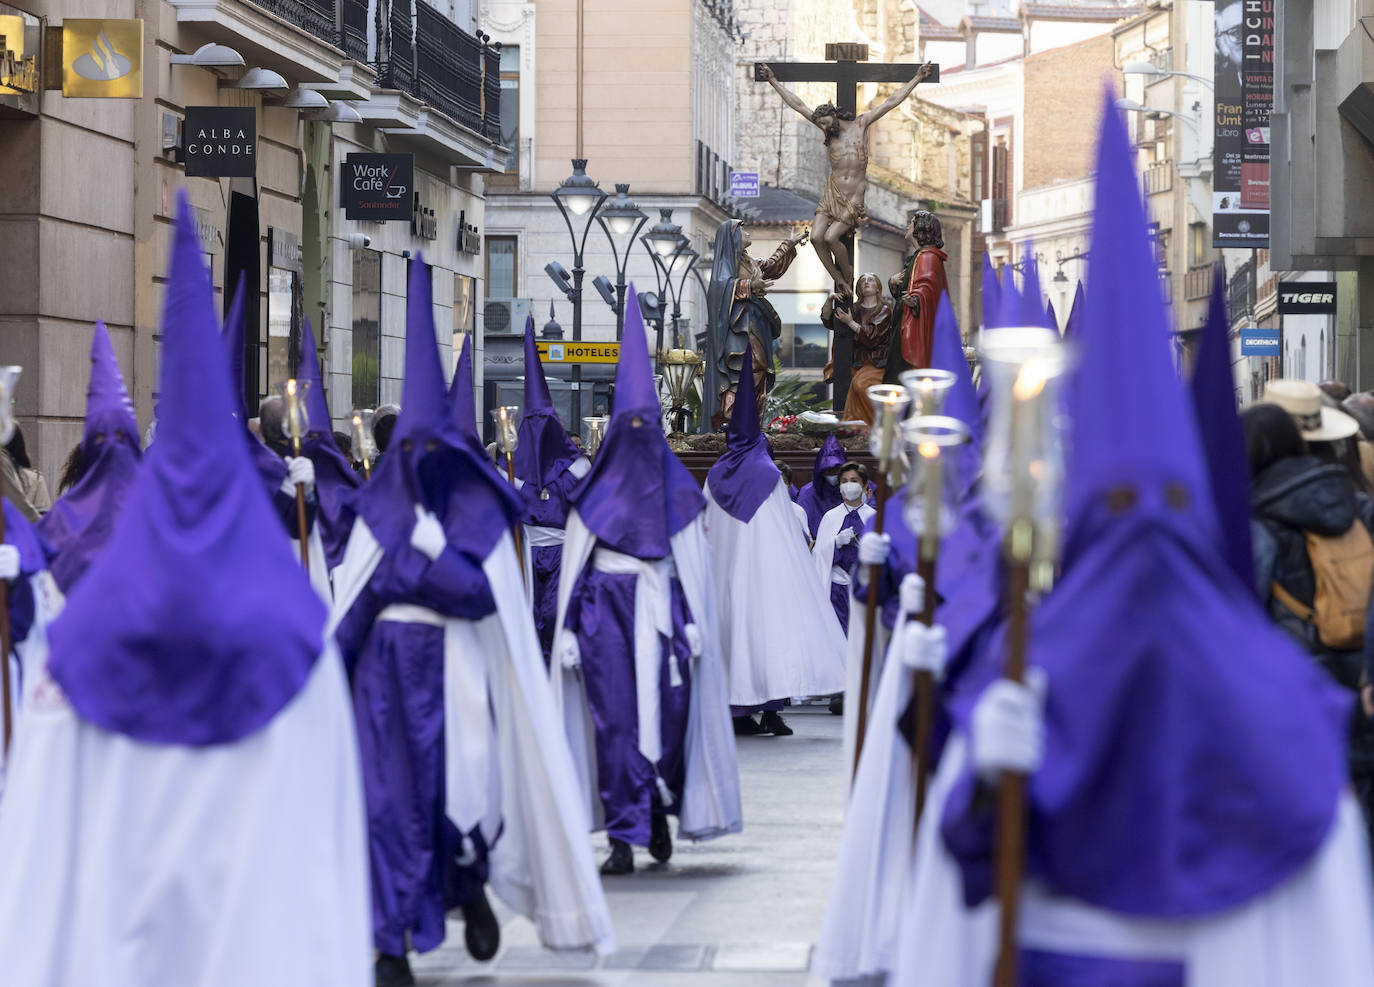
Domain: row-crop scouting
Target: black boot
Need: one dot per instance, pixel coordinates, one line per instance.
(621, 861)
(660, 840)
(837, 704)
(772, 723)
(746, 726)
(481, 932)
(393, 971)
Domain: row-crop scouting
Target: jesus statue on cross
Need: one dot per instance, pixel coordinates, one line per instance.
(841, 209)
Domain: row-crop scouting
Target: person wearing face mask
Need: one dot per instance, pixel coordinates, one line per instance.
(823, 492)
(837, 538)
(468, 779)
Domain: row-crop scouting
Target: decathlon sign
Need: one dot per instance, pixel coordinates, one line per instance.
(1259, 342)
(1307, 298)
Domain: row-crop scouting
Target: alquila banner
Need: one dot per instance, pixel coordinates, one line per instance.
(1244, 79)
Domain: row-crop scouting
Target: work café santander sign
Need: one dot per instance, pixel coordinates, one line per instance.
(378, 187)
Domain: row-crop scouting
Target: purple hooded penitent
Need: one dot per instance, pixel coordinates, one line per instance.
(268, 464)
(1051, 316)
(196, 625)
(335, 479)
(638, 494)
(429, 461)
(544, 450)
(82, 521)
(992, 291)
(820, 495)
(1075, 313)
(1193, 755)
(462, 402)
(744, 475)
(1223, 441)
(1032, 313)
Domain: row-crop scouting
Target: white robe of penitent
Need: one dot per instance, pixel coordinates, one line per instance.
(29, 658)
(507, 765)
(129, 864)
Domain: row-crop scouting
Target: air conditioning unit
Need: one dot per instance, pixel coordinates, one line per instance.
(506, 314)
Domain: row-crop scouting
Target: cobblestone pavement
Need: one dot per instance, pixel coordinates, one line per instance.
(743, 910)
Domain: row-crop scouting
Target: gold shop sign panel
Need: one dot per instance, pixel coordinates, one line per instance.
(21, 42)
(579, 352)
(102, 58)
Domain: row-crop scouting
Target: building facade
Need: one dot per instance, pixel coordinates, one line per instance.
(89, 217)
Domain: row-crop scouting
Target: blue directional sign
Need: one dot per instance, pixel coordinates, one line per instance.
(744, 184)
(1259, 342)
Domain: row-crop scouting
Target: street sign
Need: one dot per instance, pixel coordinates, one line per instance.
(378, 186)
(221, 141)
(1259, 342)
(1307, 298)
(579, 352)
(744, 184)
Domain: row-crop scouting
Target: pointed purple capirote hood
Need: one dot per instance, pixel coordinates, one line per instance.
(545, 450)
(462, 400)
(992, 292)
(1051, 316)
(1199, 781)
(744, 475)
(1032, 311)
(1223, 439)
(196, 625)
(429, 460)
(637, 494)
(1008, 311)
(81, 521)
(335, 478)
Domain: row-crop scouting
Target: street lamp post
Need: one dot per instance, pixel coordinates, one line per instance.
(578, 196)
(665, 243)
(621, 217)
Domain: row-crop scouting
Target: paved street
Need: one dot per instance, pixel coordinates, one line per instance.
(744, 910)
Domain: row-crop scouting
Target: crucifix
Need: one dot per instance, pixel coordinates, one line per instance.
(841, 209)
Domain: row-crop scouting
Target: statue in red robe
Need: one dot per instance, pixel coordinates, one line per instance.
(916, 292)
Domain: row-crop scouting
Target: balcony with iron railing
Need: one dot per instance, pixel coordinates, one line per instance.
(1159, 177)
(315, 17)
(1197, 283)
(421, 53)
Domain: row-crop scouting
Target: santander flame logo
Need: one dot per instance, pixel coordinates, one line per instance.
(102, 63)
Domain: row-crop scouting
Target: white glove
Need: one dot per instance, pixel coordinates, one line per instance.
(427, 537)
(913, 590)
(925, 649)
(693, 635)
(9, 563)
(1009, 727)
(568, 653)
(845, 536)
(299, 471)
(873, 548)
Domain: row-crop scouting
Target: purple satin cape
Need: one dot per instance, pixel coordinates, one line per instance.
(197, 625)
(83, 518)
(638, 494)
(744, 475)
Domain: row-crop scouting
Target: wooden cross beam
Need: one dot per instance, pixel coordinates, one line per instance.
(847, 66)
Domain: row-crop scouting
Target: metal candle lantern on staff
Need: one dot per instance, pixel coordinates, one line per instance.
(364, 443)
(297, 419)
(1022, 480)
(9, 377)
(593, 431)
(929, 511)
(890, 403)
(507, 418)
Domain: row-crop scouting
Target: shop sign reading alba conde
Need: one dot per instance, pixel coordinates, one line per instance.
(378, 186)
(220, 141)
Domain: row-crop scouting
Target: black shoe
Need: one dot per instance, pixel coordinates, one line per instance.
(747, 726)
(773, 723)
(837, 704)
(481, 931)
(621, 861)
(660, 840)
(393, 971)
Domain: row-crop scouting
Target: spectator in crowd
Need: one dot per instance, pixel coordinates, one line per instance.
(31, 480)
(1336, 390)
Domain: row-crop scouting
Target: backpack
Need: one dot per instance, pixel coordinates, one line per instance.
(1343, 571)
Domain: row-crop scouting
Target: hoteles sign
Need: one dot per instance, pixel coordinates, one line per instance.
(378, 186)
(220, 141)
(1307, 298)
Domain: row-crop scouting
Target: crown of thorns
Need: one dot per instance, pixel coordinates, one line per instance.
(831, 110)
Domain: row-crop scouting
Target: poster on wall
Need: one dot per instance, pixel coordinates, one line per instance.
(1244, 80)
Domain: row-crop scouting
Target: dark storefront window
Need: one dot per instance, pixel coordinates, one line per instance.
(367, 328)
(510, 105)
(283, 325)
